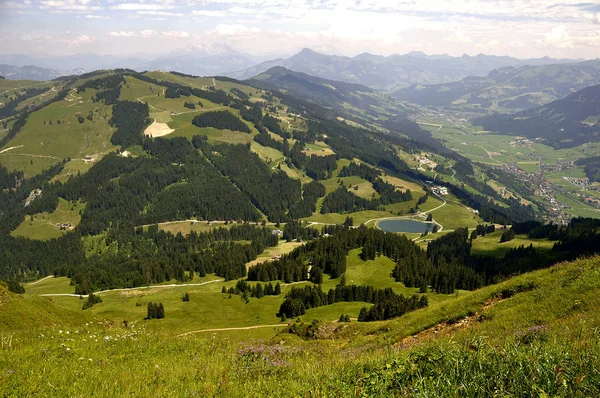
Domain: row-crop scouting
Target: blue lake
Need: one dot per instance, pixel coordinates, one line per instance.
(405, 225)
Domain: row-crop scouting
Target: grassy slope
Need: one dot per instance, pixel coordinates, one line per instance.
(44, 144)
(43, 226)
(490, 244)
(526, 344)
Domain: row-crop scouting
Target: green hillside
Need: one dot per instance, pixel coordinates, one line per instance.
(535, 334)
(563, 123)
(506, 89)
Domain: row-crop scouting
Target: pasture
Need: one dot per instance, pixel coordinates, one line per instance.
(43, 226)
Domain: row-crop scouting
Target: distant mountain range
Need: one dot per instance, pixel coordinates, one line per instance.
(395, 71)
(30, 72)
(565, 123)
(389, 73)
(507, 88)
(199, 60)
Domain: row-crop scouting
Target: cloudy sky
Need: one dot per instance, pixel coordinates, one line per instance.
(521, 28)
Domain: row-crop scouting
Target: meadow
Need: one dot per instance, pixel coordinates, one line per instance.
(54, 133)
(490, 244)
(42, 226)
(540, 340)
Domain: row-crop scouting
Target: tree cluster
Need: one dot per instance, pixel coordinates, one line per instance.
(130, 118)
(222, 120)
(155, 311)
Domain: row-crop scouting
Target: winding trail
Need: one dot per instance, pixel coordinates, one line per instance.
(132, 288)
(279, 325)
(22, 87)
(39, 280)
(11, 148)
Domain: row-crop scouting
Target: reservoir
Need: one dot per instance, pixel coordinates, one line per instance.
(405, 225)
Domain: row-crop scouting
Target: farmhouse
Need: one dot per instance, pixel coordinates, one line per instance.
(440, 190)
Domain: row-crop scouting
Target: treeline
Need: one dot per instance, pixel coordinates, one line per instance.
(361, 170)
(307, 205)
(591, 167)
(271, 191)
(102, 83)
(222, 120)
(109, 88)
(216, 96)
(299, 230)
(130, 118)
(257, 290)
(24, 114)
(9, 178)
(328, 254)
(450, 264)
(149, 256)
(343, 201)
(10, 107)
(388, 194)
(387, 303)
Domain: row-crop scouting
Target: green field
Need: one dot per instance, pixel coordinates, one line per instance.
(42, 226)
(490, 244)
(40, 144)
(494, 149)
(546, 332)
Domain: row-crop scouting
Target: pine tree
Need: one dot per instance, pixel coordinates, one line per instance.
(277, 290)
(259, 291)
(151, 311)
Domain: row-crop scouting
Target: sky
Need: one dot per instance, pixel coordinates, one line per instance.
(519, 28)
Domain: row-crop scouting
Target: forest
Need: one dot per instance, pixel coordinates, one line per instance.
(387, 304)
(222, 120)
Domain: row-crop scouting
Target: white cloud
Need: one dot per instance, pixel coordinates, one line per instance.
(161, 13)
(141, 7)
(234, 29)
(68, 5)
(78, 41)
(91, 16)
(174, 33)
(148, 33)
(122, 34)
(208, 13)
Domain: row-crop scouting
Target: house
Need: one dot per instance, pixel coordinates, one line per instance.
(440, 190)
(277, 232)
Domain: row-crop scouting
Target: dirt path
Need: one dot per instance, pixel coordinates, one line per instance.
(20, 88)
(446, 328)
(39, 280)
(132, 288)
(226, 329)
(11, 148)
(38, 156)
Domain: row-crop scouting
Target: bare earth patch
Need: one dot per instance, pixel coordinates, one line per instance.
(158, 129)
(446, 328)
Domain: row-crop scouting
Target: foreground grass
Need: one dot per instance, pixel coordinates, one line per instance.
(539, 339)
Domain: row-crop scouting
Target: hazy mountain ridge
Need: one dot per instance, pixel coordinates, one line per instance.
(564, 123)
(30, 72)
(193, 59)
(393, 72)
(508, 88)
